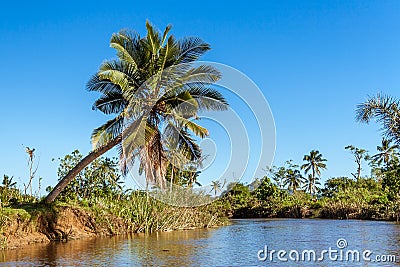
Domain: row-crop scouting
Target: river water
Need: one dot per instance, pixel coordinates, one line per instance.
(244, 243)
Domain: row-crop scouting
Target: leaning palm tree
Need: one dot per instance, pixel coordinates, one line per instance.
(314, 163)
(385, 153)
(386, 111)
(131, 87)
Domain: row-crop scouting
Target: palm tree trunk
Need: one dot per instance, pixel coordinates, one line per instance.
(313, 181)
(79, 167)
(172, 177)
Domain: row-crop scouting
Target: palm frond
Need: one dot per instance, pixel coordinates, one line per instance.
(179, 76)
(134, 134)
(103, 86)
(385, 110)
(153, 38)
(107, 132)
(183, 142)
(167, 54)
(188, 146)
(109, 103)
(123, 74)
(124, 42)
(123, 161)
(192, 126)
(191, 49)
(208, 98)
(165, 34)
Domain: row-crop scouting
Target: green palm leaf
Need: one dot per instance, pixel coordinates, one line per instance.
(110, 103)
(191, 49)
(107, 132)
(125, 43)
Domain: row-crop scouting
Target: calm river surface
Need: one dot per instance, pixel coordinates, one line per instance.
(236, 245)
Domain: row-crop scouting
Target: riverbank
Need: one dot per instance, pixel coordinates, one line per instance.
(303, 212)
(26, 224)
(104, 211)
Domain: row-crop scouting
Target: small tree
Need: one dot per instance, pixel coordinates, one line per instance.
(359, 155)
(32, 169)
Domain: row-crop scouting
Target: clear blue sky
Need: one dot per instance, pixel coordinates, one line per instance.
(313, 60)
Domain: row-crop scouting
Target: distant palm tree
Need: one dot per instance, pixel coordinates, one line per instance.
(191, 177)
(217, 186)
(386, 111)
(314, 163)
(127, 86)
(386, 153)
(8, 182)
(310, 184)
(293, 179)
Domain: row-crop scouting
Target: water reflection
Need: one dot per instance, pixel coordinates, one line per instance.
(159, 249)
(234, 245)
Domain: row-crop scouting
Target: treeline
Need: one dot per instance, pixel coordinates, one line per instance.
(286, 191)
(340, 198)
(291, 194)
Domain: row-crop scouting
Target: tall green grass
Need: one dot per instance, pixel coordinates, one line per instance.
(140, 212)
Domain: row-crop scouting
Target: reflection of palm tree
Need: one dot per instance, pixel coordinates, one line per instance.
(386, 153)
(141, 59)
(314, 163)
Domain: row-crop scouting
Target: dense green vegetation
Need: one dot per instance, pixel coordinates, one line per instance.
(285, 192)
(99, 190)
(98, 195)
(340, 198)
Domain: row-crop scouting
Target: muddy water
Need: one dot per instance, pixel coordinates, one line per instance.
(244, 243)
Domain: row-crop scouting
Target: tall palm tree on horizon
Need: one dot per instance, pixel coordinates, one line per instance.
(139, 87)
(314, 163)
